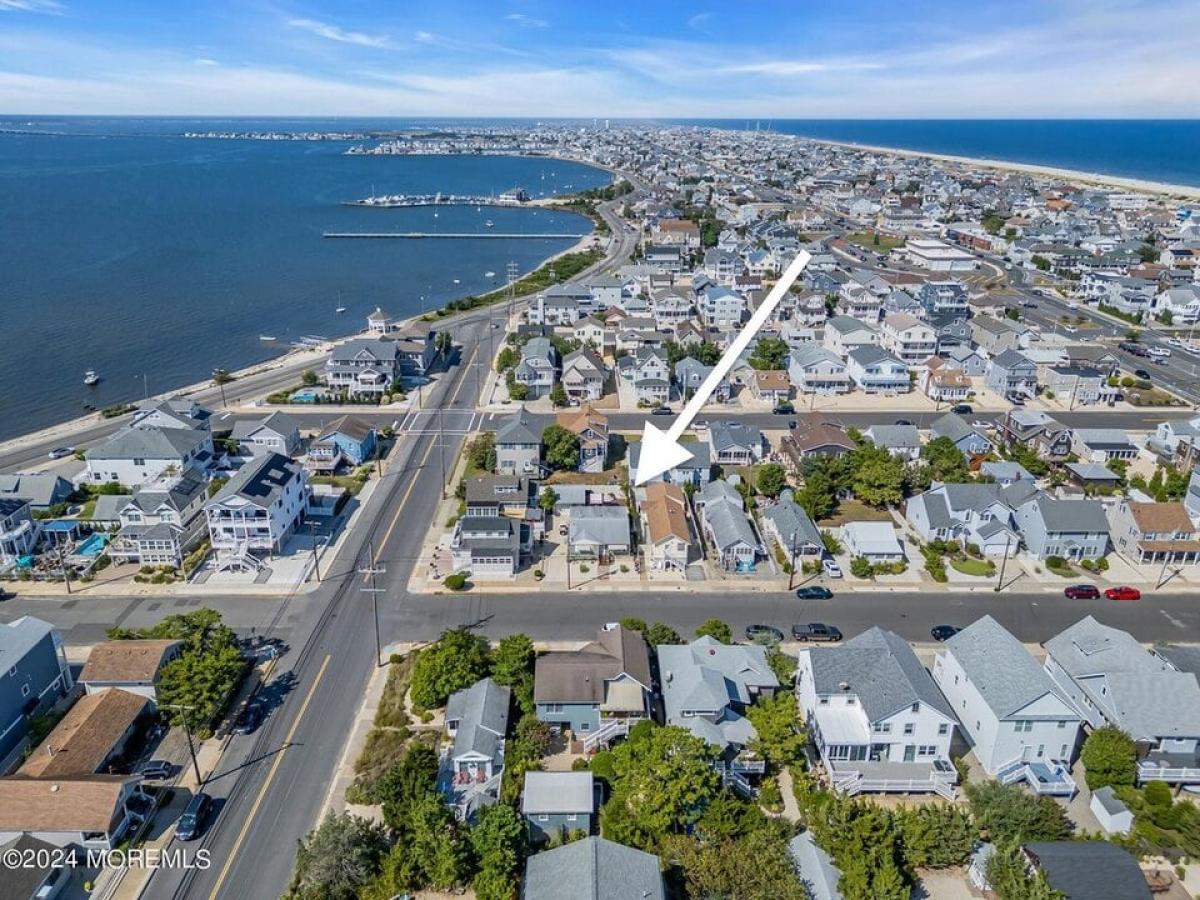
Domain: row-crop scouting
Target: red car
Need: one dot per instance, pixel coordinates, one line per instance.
(1124, 592)
(1082, 592)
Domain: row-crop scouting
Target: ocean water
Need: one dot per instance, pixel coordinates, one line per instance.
(1165, 150)
(136, 253)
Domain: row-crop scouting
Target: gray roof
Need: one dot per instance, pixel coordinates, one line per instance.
(1011, 359)
(150, 442)
(707, 674)
(1005, 674)
(519, 430)
(813, 354)
(280, 423)
(1147, 698)
(1090, 870)
(1071, 516)
(953, 426)
(593, 869)
(378, 348)
(724, 435)
(870, 354)
(728, 522)
(847, 325)
(881, 670)
(1104, 438)
(894, 437)
(482, 714)
(1006, 471)
(698, 449)
(794, 525)
(177, 495)
(817, 872)
(17, 638)
(1109, 800)
(261, 480)
(1185, 658)
(1092, 471)
(41, 489)
(558, 792)
(354, 427)
(600, 525)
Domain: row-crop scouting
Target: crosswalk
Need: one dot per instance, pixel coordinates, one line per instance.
(447, 421)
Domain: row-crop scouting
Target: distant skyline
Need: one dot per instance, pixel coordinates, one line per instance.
(1025, 58)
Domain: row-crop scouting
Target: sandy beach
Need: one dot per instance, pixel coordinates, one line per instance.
(1157, 188)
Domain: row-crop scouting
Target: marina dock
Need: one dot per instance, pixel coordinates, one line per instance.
(417, 235)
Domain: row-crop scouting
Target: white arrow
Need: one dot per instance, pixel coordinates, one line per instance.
(661, 450)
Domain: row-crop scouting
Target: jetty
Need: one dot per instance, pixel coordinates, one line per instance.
(514, 197)
(420, 235)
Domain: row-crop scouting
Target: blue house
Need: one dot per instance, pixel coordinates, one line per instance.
(349, 440)
(555, 804)
(34, 675)
(969, 440)
(597, 691)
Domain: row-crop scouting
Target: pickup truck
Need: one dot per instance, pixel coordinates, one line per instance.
(815, 631)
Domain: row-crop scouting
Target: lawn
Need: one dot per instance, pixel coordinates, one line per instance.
(352, 483)
(855, 511)
(886, 243)
(608, 476)
(980, 568)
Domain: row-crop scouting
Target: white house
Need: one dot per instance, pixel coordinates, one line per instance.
(907, 338)
(874, 540)
(938, 256)
(1019, 723)
(843, 334)
(136, 455)
(876, 717)
(257, 510)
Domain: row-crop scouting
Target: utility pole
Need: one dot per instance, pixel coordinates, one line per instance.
(219, 376)
(312, 533)
(1003, 563)
(374, 591)
(792, 572)
(188, 730)
(442, 449)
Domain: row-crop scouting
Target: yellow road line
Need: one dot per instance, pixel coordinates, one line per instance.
(267, 784)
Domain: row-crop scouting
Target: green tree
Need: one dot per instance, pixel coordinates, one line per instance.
(512, 665)
(934, 837)
(558, 395)
(481, 452)
(715, 629)
(1010, 879)
(818, 497)
(548, 499)
(879, 477)
(727, 817)
(633, 623)
(662, 780)
(781, 737)
(431, 851)
(659, 634)
(507, 359)
(455, 661)
(1109, 757)
(1006, 813)
(309, 378)
(498, 842)
(769, 353)
(770, 479)
(754, 867)
(945, 461)
(992, 221)
(863, 842)
(405, 783)
(860, 567)
(337, 858)
(561, 447)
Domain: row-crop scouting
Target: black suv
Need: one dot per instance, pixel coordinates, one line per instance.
(195, 815)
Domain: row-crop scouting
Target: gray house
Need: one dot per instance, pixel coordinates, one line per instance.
(697, 470)
(727, 530)
(789, 526)
(41, 489)
(899, 440)
(34, 675)
(967, 439)
(597, 691)
(518, 446)
(1072, 529)
(593, 869)
(476, 721)
(734, 444)
(555, 804)
(598, 532)
(1010, 374)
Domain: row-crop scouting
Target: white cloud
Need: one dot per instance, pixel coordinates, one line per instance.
(699, 20)
(527, 21)
(785, 68)
(205, 61)
(51, 7)
(341, 35)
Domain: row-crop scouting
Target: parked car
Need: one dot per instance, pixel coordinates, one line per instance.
(1015, 399)
(194, 818)
(763, 634)
(943, 632)
(1082, 592)
(962, 409)
(156, 768)
(1142, 374)
(903, 422)
(251, 717)
(814, 592)
(816, 631)
(1159, 352)
(662, 411)
(831, 568)
(783, 409)
(1124, 592)
(792, 424)
(60, 452)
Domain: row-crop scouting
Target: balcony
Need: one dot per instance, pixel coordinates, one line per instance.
(851, 777)
(1044, 776)
(1173, 768)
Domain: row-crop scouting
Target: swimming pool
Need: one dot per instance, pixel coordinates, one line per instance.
(93, 546)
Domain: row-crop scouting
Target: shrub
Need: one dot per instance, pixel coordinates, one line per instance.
(860, 567)
(455, 581)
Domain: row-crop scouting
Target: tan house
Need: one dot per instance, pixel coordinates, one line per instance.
(907, 338)
(90, 737)
(665, 525)
(1154, 533)
(938, 381)
(594, 439)
(134, 666)
(676, 233)
(93, 811)
(771, 385)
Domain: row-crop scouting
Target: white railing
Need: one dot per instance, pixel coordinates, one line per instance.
(613, 728)
(738, 783)
(1174, 774)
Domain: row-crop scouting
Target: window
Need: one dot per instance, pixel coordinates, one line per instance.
(883, 728)
(944, 728)
(1062, 724)
(554, 707)
(823, 701)
(543, 818)
(916, 707)
(909, 728)
(24, 690)
(572, 817)
(585, 726)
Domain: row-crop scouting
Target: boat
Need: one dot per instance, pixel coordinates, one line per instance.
(489, 274)
(91, 378)
(266, 337)
(456, 281)
(489, 223)
(340, 309)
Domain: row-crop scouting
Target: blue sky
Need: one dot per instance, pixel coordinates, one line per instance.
(1023, 58)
